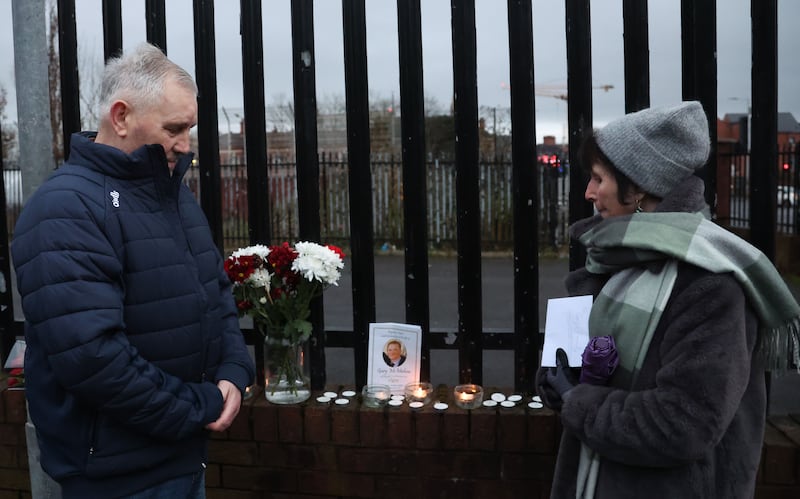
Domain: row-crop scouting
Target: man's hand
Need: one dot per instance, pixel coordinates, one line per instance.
(231, 402)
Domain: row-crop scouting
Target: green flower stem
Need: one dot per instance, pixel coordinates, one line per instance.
(285, 358)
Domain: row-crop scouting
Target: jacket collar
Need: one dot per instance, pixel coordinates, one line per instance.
(145, 162)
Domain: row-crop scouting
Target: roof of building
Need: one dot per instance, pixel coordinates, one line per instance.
(786, 121)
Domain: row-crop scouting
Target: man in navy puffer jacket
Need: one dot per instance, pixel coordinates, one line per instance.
(134, 351)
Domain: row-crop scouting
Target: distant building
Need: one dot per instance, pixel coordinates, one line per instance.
(734, 128)
(385, 138)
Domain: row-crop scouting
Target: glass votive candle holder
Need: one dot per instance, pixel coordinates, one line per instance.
(375, 395)
(248, 393)
(418, 392)
(468, 396)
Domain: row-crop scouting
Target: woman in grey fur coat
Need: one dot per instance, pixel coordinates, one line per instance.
(695, 316)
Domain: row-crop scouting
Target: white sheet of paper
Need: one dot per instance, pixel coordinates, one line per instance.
(566, 326)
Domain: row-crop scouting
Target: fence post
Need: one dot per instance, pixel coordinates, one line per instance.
(207, 133)
(525, 197)
(795, 166)
(637, 55)
(699, 81)
(258, 199)
(579, 111)
(415, 190)
(764, 152)
(112, 28)
(68, 67)
(156, 23)
(470, 316)
(303, 63)
(360, 179)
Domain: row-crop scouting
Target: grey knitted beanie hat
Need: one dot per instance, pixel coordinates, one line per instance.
(659, 147)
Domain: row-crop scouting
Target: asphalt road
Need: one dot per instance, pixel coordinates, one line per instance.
(497, 273)
(497, 281)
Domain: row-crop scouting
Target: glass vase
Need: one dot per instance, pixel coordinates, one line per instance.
(287, 378)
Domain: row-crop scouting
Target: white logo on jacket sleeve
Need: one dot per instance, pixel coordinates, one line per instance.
(114, 198)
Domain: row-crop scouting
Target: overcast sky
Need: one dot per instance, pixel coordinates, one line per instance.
(733, 49)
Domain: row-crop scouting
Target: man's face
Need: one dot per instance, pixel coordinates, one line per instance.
(167, 124)
(393, 351)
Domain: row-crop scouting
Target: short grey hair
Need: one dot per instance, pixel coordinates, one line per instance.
(138, 77)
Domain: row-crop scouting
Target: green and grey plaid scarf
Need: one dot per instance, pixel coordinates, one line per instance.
(624, 242)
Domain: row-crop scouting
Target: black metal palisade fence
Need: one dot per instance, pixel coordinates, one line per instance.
(388, 193)
(698, 39)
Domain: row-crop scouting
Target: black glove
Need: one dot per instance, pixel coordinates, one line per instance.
(547, 393)
(562, 378)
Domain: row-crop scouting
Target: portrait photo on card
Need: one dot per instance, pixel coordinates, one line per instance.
(394, 354)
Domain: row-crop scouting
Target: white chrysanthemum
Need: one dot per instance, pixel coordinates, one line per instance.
(317, 262)
(258, 249)
(260, 278)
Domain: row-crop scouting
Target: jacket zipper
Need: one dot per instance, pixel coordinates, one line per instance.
(93, 436)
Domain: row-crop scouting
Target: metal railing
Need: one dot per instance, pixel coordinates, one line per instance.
(496, 221)
(787, 200)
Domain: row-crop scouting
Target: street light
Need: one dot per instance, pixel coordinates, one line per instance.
(228, 121)
(749, 116)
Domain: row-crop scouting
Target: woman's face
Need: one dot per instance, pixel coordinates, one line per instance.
(602, 191)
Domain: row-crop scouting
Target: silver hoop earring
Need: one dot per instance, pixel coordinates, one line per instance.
(639, 206)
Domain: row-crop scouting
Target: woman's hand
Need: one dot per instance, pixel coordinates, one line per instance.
(554, 383)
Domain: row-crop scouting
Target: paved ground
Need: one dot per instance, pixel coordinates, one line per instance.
(497, 313)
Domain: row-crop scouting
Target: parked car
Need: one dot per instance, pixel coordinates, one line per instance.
(787, 196)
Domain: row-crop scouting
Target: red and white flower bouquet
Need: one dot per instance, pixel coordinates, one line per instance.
(275, 286)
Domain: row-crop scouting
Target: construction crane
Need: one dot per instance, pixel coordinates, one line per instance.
(556, 91)
(560, 92)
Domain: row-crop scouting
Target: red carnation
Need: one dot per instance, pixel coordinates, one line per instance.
(336, 250)
(281, 258)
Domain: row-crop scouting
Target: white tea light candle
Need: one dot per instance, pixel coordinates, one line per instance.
(498, 397)
(418, 392)
(468, 396)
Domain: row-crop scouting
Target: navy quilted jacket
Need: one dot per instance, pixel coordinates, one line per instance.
(130, 321)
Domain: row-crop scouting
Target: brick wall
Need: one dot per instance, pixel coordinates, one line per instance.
(316, 450)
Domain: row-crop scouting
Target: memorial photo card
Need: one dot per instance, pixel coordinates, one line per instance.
(394, 355)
